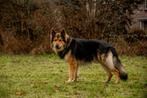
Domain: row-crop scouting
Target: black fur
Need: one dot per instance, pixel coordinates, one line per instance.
(86, 50)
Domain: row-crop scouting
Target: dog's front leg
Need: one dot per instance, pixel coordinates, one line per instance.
(73, 67)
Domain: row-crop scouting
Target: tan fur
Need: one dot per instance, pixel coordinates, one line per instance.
(58, 41)
(106, 61)
(73, 67)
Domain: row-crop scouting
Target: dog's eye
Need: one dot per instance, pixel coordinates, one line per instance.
(60, 40)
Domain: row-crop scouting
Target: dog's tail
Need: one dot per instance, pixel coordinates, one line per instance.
(123, 74)
(118, 65)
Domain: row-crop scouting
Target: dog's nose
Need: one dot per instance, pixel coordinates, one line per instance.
(57, 46)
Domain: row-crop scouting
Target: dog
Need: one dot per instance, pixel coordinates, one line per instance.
(74, 50)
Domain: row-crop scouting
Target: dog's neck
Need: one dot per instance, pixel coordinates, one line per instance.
(67, 48)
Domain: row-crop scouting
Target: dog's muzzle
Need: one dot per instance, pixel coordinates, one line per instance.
(57, 46)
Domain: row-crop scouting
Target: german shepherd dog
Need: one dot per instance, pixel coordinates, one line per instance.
(74, 50)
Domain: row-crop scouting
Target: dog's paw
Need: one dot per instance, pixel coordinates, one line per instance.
(106, 81)
(117, 82)
(69, 81)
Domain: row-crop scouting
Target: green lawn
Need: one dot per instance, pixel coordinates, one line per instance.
(43, 76)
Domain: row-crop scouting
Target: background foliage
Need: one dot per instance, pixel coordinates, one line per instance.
(25, 25)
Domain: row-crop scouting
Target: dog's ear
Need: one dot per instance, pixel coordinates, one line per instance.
(52, 35)
(63, 33)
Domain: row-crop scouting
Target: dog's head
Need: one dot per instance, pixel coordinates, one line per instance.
(58, 40)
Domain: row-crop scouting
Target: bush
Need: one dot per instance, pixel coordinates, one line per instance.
(135, 35)
(25, 25)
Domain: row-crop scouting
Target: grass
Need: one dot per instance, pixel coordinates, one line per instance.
(43, 76)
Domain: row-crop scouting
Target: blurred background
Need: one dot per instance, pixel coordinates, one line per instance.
(25, 25)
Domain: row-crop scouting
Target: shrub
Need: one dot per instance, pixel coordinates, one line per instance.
(135, 35)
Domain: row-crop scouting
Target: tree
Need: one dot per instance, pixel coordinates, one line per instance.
(99, 17)
(26, 24)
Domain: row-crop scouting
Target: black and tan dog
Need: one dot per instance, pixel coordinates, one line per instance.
(74, 50)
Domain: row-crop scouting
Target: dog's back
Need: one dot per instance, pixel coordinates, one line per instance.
(87, 50)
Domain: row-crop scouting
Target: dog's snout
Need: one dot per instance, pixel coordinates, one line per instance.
(57, 46)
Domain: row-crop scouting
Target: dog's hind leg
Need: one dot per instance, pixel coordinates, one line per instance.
(108, 73)
(116, 73)
(109, 64)
(119, 70)
(102, 60)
